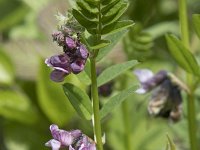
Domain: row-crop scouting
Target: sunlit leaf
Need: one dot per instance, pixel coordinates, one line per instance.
(52, 99)
(116, 100)
(23, 137)
(17, 106)
(182, 55)
(196, 23)
(79, 100)
(6, 69)
(113, 71)
(170, 144)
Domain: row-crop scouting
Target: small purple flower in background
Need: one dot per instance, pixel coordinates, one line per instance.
(74, 140)
(148, 80)
(166, 100)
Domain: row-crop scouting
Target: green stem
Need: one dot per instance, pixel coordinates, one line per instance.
(95, 102)
(126, 118)
(192, 128)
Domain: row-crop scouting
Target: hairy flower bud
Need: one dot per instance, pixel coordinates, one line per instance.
(59, 38)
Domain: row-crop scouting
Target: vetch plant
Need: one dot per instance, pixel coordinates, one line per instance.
(87, 32)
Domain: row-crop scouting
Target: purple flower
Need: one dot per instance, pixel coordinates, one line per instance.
(61, 65)
(148, 80)
(74, 140)
(74, 57)
(166, 100)
(71, 43)
(62, 138)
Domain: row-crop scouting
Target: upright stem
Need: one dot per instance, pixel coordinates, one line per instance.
(192, 128)
(126, 118)
(95, 102)
(94, 88)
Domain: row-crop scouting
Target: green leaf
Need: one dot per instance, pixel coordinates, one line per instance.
(52, 99)
(170, 144)
(113, 71)
(79, 100)
(6, 69)
(17, 106)
(90, 16)
(93, 2)
(12, 12)
(87, 6)
(108, 5)
(22, 137)
(113, 38)
(83, 20)
(112, 17)
(101, 44)
(116, 100)
(182, 55)
(117, 26)
(196, 23)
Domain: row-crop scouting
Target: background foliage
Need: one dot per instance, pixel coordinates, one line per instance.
(30, 102)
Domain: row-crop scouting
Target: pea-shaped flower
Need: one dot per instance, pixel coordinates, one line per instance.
(83, 143)
(74, 140)
(62, 138)
(61, 65)
(166, 100)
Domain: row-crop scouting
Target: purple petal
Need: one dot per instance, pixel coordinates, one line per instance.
(54, 144)
(58, 75)
(143, 75)
(82, 52)
(71, 44)
(76, 133)
(65, 138)
(59, 61)
(141, 91)
(53, 127)
(77, 66)
(71, 148)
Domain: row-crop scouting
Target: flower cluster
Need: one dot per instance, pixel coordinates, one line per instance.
(74, 140)
(166, 100)
(74, 55)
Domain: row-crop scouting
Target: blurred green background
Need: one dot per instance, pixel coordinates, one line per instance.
(30, 101)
